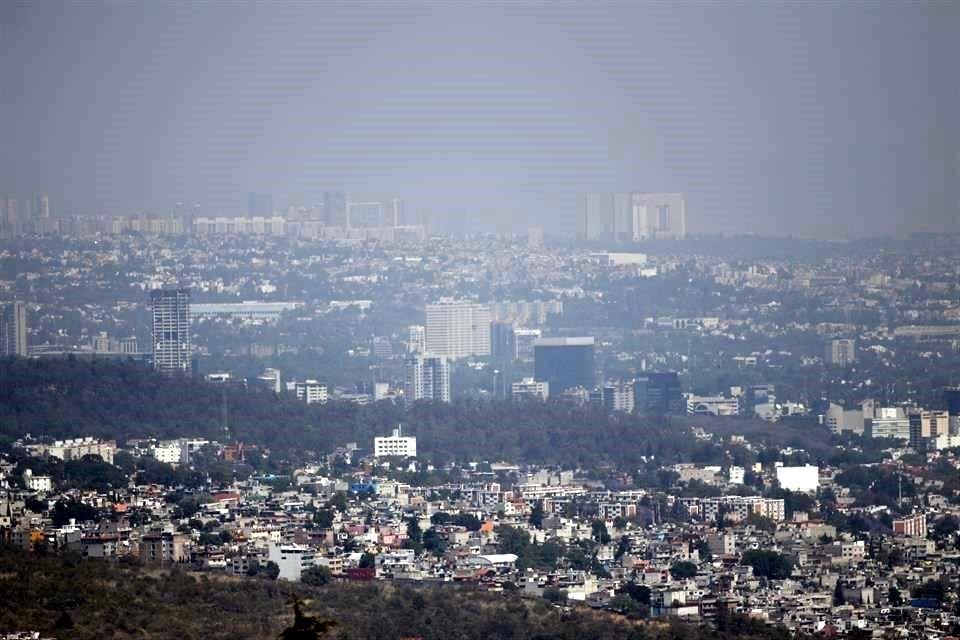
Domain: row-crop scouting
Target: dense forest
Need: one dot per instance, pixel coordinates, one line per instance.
(121, 400)
(71, 597)
(68, 398)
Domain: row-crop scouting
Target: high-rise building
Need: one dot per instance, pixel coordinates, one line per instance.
(13, 329)
(259, 205)
(10, 209)
(9, 221)
(658, 216)
(41, 206)
(427, 378)
(842, 352)
(416, 338)
(503, 343)
(335, 209)
(564, 362)
(658, 394)
(524, 339)
(618, 397)
(458, 329)
(625, 217)
(171, 331)
(598, 217)
(927, 426)
(311, 392)
(368, 212)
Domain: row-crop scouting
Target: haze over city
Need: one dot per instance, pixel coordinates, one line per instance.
(827, 120)
(429, 320)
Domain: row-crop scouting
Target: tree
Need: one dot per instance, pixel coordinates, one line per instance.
(414, 534)
(338, 501)
(536, 515)
(623, 546)
(323, 518)
(433, 542)
(627, 605)
(762, 523)
(894, 596)
(367, 561)
(271, 570)
(768, 564)
(838, 597)
(552, 594)
(316, 576)
(639, 592)
(599, 531)
(703, 549)
(683, 570)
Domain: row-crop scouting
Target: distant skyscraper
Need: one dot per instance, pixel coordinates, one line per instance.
(842, 352)
(259, 205)
(8, 213)
(625, 217)
(657, 216)
(335, 209)
(598, 217)
(458, 329)
(366, 213)
(658, 394)
(427, 378)
(564, 362)
(13, 329)
(171, 330)
(503, 345)
(41, 206)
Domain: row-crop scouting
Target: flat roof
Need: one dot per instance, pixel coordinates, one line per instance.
(564, 342)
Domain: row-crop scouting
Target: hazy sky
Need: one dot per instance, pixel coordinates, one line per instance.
(811, 118)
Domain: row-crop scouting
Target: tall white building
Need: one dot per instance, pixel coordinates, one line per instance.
(311, 391)
(293, 559)
(396, 444)
(458, 329)
(658, 216)
(427, 378)
(171, 330)
(622, 217)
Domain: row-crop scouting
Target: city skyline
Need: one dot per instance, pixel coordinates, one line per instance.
(768, 122)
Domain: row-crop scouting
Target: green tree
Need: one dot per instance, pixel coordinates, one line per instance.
(768, 564)
(323, 518)
(316, 576)
(599, 531)
(683, 570)
(271, 570)
(536, 515)
(894, 596)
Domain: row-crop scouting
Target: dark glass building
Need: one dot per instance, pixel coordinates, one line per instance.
(564, 363)
(657, 394)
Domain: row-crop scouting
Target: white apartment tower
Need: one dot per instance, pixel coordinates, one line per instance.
(458, 329)
(427, 378)
(171, 330)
